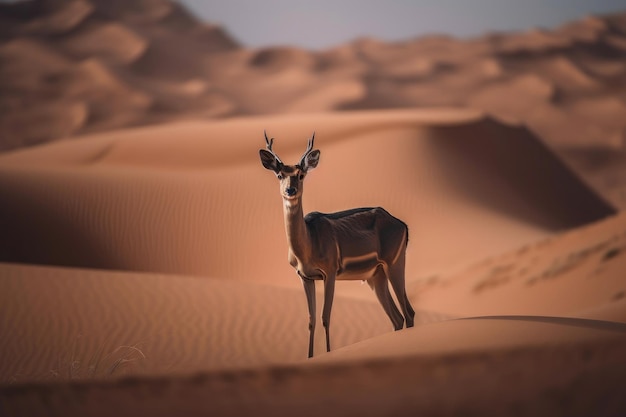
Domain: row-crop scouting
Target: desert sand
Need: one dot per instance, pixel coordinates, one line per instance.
(161, 269)
(143, 258)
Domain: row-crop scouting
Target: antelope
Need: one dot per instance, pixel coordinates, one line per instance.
(367, 244)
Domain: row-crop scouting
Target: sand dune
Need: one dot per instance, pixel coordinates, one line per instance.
(281, 57)
(608, 112)
(61, 118)
(564, 73)
(97, 85)
(171, 200)
(562, 366)
(588, 29)
(582, 269)
(59, 319)
(112, 42)
(144, 11)
(329, 96)
(529, 91)
(531, 41)
(65, 17)
(606, 170)
(27, 61)
(191, 198)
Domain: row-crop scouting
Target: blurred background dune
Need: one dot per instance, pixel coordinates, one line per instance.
(70, 67)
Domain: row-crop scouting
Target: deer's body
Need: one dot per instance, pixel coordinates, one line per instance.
(366, 244)
(357, 250)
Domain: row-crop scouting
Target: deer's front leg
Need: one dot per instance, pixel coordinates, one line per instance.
(329, 294)
(309, 290)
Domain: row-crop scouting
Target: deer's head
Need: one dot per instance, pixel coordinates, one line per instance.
(291, 177)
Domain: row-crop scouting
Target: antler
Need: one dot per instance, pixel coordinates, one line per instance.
(309, 148)
(268, 145)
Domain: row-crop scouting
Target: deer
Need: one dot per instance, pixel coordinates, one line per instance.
(366, 244)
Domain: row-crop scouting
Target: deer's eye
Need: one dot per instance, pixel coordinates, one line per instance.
(279, 176)
(301, 177)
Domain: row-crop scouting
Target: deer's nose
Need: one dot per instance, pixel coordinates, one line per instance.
(291, 191)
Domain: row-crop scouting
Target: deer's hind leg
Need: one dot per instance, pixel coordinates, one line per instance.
(396, 276)
(380, 286)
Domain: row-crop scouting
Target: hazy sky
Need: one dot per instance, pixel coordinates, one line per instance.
(320, 24)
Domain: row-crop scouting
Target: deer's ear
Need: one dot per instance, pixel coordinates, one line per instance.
(311, 159)
(269, 161)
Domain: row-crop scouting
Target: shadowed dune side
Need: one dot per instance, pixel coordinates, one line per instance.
(499, 158)
(605, 170)
(162, 200)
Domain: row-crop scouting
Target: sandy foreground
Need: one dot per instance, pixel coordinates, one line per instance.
(162, 285)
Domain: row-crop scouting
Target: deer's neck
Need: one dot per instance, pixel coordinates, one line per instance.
(295, 227)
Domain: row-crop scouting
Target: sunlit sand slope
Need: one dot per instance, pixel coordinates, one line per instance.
(579, 273)
(60, 324)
